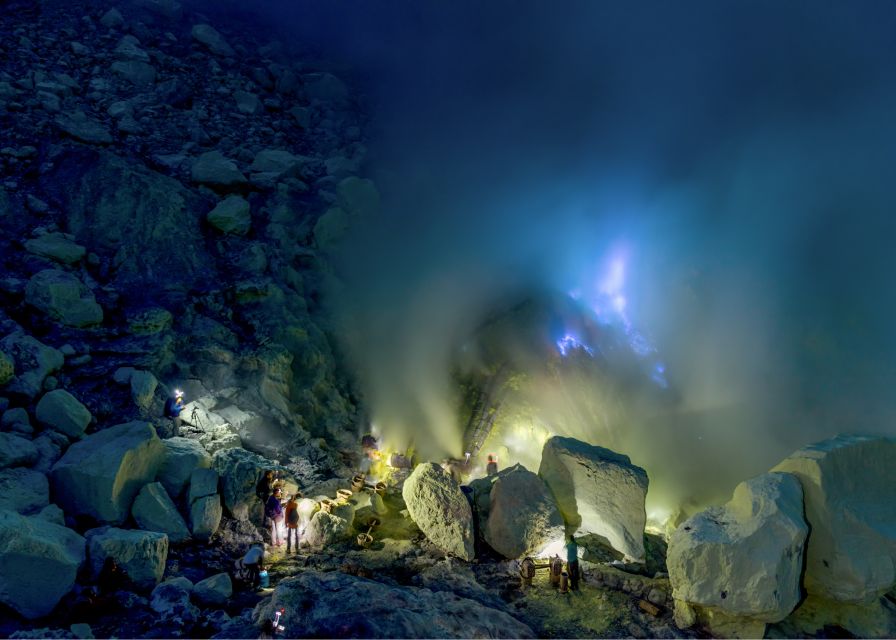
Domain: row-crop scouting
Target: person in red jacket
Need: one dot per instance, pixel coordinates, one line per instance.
(292, 523)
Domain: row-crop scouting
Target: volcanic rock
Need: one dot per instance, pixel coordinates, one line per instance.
(80, 127)
(60, 247)
(338, 605)
(17, 422)
(153, 510)
(214, 591)
(136, 72)
(39, 562)
(112, 19)
(208, 36)
(271, 165)
(143, 388)
(34, 361)
(171, 600)
(743, 559)
(64, 298)
(240, 471)
(598, 491)
(183, 457)
(438, 506)
(324, 529)
(847, 485)
(23, 490)
(231, 215)
(100, 475)
(203, 482)
(523, 518)
(7, 369)
(247, 102)
(215, 170)
(142, 554)
(205, 516)
(63, 412)
(16, 451)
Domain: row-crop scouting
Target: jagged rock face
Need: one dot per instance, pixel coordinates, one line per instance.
(745, 558)
(324, 529)
(183, 456)
(153, 510)
(438, 506)
(847, 484)
(523, 518)
(34, 361)
(39, 562)
(214, 591)
(63, 412)
(64, 298)
(598, 491)
(142, 554)
(240, 471)
(100, 475)
(159, 241)
(171, 600)
(336, 605)
(23, 490)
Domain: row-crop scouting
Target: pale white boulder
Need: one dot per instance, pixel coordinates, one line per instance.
(523, 517)
(100, 475)
(438, 506)
(848, 484)
(598, 491)
(182, 457)
(743, 559)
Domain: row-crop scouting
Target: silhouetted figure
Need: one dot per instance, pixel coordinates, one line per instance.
(491, 469)
(572, 563)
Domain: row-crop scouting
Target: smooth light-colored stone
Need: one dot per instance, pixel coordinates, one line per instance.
(438, 506)
(153, 510)
(61, 411)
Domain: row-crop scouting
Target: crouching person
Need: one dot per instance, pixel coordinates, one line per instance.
(250, 566)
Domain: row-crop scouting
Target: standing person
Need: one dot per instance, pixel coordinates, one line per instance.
(274, 512)
(173, 407)
(572, 563)
(292, 523)
(491, 469)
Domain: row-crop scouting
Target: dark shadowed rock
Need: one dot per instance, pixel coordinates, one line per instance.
(214, 169)
(63, 412)
(337, 605)
(16, 451)
(39, 562)
(209, 37)
(183, 457)
(57, 246)
(231, 215)
(23, 490)
(82, 128)
(64, 298)
(142, 554)
(34, 361)
(205, 516)
(214, 591)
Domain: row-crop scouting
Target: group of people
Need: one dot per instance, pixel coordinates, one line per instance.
(281, 516)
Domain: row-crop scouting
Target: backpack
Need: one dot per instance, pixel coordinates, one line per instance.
(293, 516)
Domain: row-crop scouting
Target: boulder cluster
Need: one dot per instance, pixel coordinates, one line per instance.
(811, 542)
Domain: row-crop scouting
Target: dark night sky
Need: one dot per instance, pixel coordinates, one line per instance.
(742, 152)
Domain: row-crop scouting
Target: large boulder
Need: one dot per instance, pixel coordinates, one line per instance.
(338, 605)
(240, 471)
(203, 482)
(142, 554)
(231, 215)
(61, 411)
(63, 298)
(598, 491)
(182, 457)
(215, 170)
(523, 518)
(23, 490)
(743, 559)
(324, 529)
(438, 506)
(205, 516)
(143, 388)
(847, 485)
(100, 475)
(214, 591)
(34, 361)
(146, 224)
(16, 451)
(153, 510)
(171, 600)
(39, 562)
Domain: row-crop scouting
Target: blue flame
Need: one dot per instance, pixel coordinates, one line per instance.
(569, 343)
